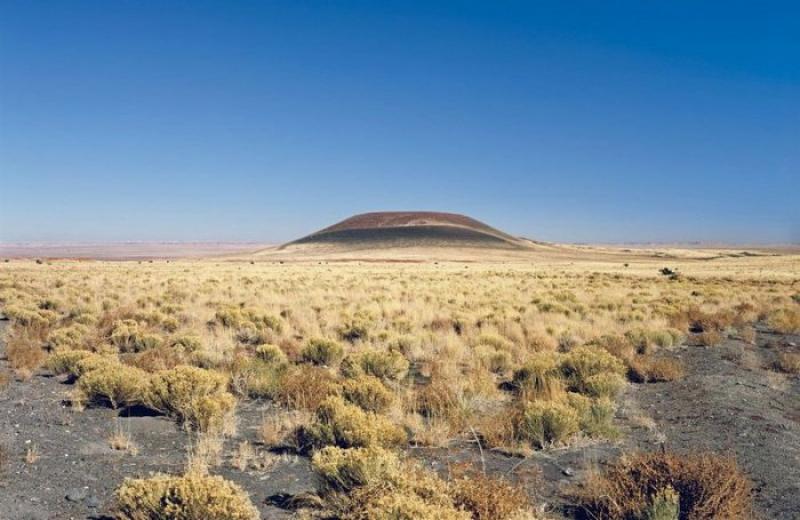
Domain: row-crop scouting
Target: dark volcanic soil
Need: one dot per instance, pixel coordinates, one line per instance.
(730, 401)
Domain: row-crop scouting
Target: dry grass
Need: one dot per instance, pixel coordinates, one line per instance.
(190, 496)
(488, 498)
(708, 487)
(520, 356)
(788, 362)
(648, 369)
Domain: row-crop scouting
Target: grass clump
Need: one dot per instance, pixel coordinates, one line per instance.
(785, 321)
(69, 337)
(593, 371)
(342, 424)
(539, 377)
(320, 351)
(647, 369)
(788, 362)
(547, 422)
(387, 365)
(305, 387)
(66, 361)
(707, 487)
(368, 393)
(373, 483)
(489, 498)
(192, 496)
(194, 396)
(114, 383)
(271, 354)
(128, 336)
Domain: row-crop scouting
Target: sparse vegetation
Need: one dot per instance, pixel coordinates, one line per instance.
(188, 497)
(647, 485)
(352, 364)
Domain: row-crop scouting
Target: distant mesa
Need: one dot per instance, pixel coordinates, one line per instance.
(410, 229)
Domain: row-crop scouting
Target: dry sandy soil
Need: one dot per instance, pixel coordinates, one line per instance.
(730, 400)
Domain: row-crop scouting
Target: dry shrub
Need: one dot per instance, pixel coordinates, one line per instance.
(539, 377)
(306, 387)
(69, 337)
(785, 321)
(344, 470)
(277, 428)
(389, 365)
(708, 486)
(372, 483)
(487, 497)
(24, 351)
(65, 362)
(546, 422)
(192, 496)
(156, 359)
(748, 335)
(369, 393)
(194, 396)
(593, 371)
(439, 399)
(595, 416)
(320, 351)
(256, 378)
(129, 336)
(5, 380)
(646, 369)
(709, 338)
(114, 383)
(348, 426)
(271, 354)
(619, 346)
(788, 362)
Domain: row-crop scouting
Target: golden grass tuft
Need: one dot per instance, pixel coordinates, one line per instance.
(191, 497)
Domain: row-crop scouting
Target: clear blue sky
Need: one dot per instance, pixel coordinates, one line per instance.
(565, 121)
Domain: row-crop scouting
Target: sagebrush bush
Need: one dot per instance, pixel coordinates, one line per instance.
(69, 337)
(372, 483)
(66, 361)
(194, 396)
(115, 383)
(129, 336)
(788, 362)
(582, 365)
(256, 378)
(192, 496)
(488, 498)
(389, 365)
(368, 393)
(545, 422)
(539, 377)
(647, 369)
(343, 470)
(708, 487)
(339, 423)
(271, 354)
(320, 351)
(305, 387)
(785, 321)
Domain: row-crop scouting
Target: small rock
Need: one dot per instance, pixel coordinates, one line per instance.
(76, 494)
(568, 472)
(92, 502)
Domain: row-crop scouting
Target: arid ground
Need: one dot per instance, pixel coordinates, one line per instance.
(554, 382)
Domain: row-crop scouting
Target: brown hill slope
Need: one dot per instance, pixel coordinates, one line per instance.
(410, 229)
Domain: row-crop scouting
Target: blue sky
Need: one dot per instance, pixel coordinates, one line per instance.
(564, 121)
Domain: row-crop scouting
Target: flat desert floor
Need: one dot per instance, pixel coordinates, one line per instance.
(546, 377)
